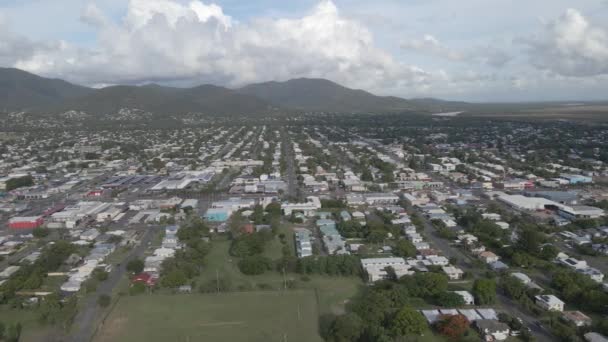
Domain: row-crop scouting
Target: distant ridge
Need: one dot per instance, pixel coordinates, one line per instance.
(20, 90)
(310, 94)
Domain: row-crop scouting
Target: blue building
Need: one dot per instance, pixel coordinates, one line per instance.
(576, 179)
(217, 215)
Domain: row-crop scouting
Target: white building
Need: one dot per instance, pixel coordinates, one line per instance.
(376, 267)
(550, 302)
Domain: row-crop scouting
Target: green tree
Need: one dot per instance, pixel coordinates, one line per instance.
(404, 249)
(104, 300)
(347, 327)
(135, 266)
(40, 232)
(174, 278)
(450, 299)
(484, 291)
(137, 288)
(407, 321)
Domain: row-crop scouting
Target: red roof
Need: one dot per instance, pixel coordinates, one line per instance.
(248, 228)
(145, 278)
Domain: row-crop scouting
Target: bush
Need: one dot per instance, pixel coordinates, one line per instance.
(104, 300)
(135, 266)
(137, 288)
(254, 265)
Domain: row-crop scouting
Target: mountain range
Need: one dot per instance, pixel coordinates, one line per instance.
(23, 91)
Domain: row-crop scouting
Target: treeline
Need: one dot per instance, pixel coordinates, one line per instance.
(188, 261)
(386, 310)
(19, 182)
(31, 276)
(334, 265)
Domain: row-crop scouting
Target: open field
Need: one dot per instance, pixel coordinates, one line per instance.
(333, 292)
(263, 316)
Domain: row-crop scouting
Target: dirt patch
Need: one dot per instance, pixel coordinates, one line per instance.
(111, 329)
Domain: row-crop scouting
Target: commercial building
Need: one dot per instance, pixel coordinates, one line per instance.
(28, 222)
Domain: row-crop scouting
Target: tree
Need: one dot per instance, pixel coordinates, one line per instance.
(174, 278)
(484, 291)
(404, 249)
(254, 265)
(13, 332)
(407, 321)
(450, 299)
(100, 274)
(513, 287)
(137, 288)
(135, 266)
(347, 327)
(104, 300)
(40, 232)
(453, 326)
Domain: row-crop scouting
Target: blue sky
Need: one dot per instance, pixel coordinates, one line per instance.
(475, 50)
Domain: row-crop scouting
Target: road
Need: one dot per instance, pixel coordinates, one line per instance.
(87, 317)
(287, 150)
(465, 262)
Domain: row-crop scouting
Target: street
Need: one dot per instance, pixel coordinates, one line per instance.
(84, 325)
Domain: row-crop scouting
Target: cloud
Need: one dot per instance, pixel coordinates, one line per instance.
(487, 55)
(571, 46)
(165, 41)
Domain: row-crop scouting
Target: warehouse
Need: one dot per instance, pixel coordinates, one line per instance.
(29, 222)
(580, 212)
(524, 203)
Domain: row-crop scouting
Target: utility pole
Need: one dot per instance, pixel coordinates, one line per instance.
(217, 280)
(284, 280)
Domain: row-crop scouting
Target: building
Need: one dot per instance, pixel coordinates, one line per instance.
(492, 330)
(580, 212)
(488, 257)
(595, 337)
(308, 208)
(28, 222)
(549, 302)
(453, 273)
(381, 198)
(523, 203)
(576, 179)
(577, 318)
(376, 268)
(303, 243)
(217, 214)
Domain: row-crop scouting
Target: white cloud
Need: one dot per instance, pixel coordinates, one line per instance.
(164, 41)
(571, 46)
(487, 55)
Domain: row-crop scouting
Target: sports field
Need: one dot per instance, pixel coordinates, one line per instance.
(263, 316)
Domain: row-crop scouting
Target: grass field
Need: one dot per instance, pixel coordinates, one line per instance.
(263, 316)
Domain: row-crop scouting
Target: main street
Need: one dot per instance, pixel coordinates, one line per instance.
(85, 322)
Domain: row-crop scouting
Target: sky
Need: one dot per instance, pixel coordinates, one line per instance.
(471, 50)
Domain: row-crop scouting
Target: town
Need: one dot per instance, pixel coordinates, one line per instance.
(308, 228)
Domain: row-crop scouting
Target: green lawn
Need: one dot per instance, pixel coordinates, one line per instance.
(333, 292)
(32, 330)
(263, 316)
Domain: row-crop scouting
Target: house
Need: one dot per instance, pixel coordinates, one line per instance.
(454, 273)
(577, 318)
(549, 302)
(488, 257)
(492, 330)
(376, 267)
(145, 278)
(467, 297)
(595, 337)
